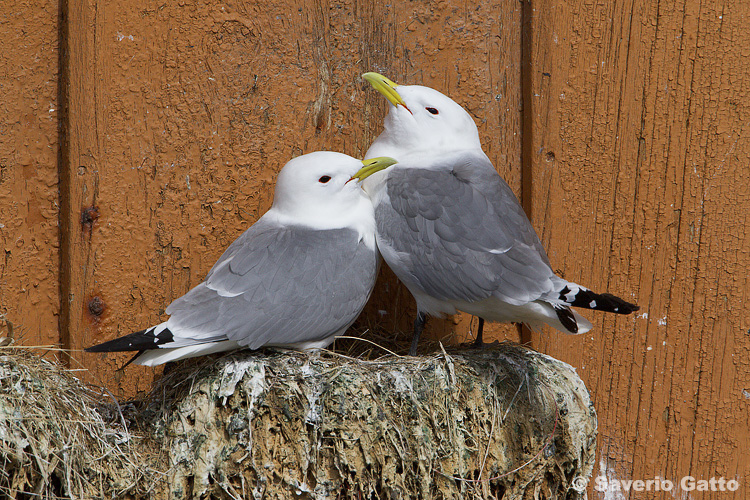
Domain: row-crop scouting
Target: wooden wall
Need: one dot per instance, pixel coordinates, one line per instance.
(29, 204)
(140, 138)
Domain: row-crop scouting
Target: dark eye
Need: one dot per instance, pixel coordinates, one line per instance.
(432, 110)
(324, 179)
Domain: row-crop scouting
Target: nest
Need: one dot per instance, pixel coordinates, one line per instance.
(58, 437)
(496, 423)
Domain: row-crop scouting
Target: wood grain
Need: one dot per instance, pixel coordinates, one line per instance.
(641, 188)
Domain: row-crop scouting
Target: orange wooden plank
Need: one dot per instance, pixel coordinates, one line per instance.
(641, 188)
(81, 170)
(29, 260)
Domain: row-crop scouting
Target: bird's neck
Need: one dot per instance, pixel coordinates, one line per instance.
(359, 218)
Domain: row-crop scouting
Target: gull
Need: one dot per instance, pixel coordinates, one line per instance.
(296, 278)
(451, 228)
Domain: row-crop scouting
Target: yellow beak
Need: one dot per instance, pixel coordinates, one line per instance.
(385, 87)
(373, 165)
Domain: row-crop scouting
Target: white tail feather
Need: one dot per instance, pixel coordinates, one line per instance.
(161, 355)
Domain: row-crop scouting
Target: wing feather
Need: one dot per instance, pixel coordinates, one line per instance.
(279, 285)
(460, 233)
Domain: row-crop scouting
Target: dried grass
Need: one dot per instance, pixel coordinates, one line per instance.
(59, 438)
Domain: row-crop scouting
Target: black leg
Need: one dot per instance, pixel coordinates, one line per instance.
(418, 327)
(478, 343)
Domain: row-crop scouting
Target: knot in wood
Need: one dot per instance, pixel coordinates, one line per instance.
(96, 306)
(89, 215)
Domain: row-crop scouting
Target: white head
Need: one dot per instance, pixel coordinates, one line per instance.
(421, 119)
(322, 189)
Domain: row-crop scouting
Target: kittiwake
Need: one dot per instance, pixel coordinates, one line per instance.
(452, 230)
(296, 278)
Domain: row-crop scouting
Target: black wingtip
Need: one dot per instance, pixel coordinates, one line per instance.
(598, 301)
(137, 341)
(619, 305)
(566, 317)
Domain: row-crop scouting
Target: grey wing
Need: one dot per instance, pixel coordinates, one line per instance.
(461, 234)
(280, 285)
